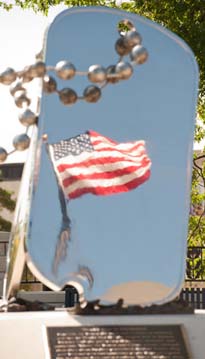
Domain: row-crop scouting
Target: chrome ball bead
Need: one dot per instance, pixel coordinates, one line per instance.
(27, 118)
(121, 47)
(16, 87)
(26, 75)
(96, 74)
(112, 76)
(68, 96)
(49, 84)
(124, 70)
(38, 69)
(139, 54)
(65, 70)
(124, 26)
(22, 100)
(8, 76)
(132, 38)
(3, 154)
(92, 94)
(21, 142)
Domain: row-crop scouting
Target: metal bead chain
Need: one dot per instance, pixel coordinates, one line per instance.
(129, 43)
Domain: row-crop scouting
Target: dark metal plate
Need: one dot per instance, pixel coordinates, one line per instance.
(138, 341)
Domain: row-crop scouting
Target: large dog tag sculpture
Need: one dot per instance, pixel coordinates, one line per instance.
(108, 194)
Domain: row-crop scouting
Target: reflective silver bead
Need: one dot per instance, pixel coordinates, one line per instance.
(139, 54)
(3, 154)
(49, 84)
(16, 87)
(124, 69)
(26, 75)
(27, 118)
(8, 76)
(132, 38)
(38, 69)
(121, 47)
(65, 70)
(112, 76)
(124, 26)
(68, 96)
(22, 100)
(92, 94)
(21, 142)
(96, 74)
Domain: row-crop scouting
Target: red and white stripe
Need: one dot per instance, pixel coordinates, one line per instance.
(110, 168)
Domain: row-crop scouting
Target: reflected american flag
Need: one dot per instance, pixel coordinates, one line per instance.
(92, 163)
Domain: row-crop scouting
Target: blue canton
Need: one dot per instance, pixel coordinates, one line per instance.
(73, 146)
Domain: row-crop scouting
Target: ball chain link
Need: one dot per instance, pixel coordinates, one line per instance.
(129, 43)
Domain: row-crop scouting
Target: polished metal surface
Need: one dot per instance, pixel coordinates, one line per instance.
(92, 94)
(68, 96)
(98, 243)
(139, 54)
(3, 154)
(124, 70)
(26, 75)
(16, 251)
(27, 117)
(16, 86)
(38, 69)
(111, 70)
(65, 70)
(125, 25)
(21, 142)
(96, 73)
(133, 38)
(8, 76)
(49, 84)
(121, 47)
(21, 100)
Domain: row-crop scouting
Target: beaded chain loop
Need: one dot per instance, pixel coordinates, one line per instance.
(129, 43)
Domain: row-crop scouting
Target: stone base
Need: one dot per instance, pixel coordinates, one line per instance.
(23, 334)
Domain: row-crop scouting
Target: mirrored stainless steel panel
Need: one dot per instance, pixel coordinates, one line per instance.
(129, 245)
(16, 250)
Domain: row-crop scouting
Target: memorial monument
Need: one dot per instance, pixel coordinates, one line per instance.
(104, 202)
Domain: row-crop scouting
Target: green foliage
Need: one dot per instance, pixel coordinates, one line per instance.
(6, 202)
(196, 265)
(196, 236)
(6, 6)
(5, 225)
(44, 5)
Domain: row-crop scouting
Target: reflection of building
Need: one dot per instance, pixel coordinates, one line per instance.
(10, 179)
(4, 238)
(10, 176)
